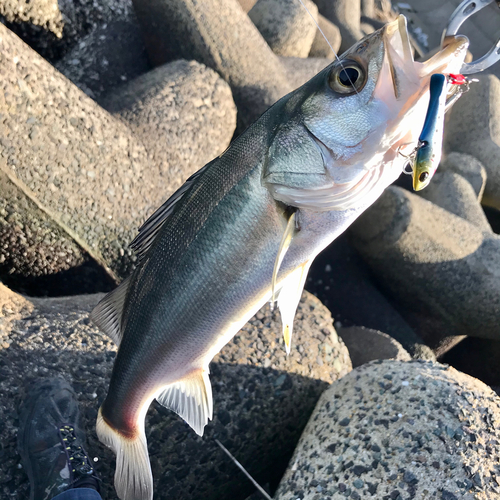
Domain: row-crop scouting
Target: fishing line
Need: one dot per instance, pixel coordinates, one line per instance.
(262, 491)
(329, 45)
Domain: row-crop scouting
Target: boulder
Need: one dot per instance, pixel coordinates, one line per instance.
(106, 58)
(365, 344)
(344, 284)
(219, 34)
(76, 166)
(469, 168)
(52, 28)
(182, 112)
(320, 47)
(395, 429)
(452, 192)
(262, 398)
(286, 25)
(473, 127)
(346, 15)
(442, 271)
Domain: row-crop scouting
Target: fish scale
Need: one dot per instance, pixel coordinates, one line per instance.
(249, 224)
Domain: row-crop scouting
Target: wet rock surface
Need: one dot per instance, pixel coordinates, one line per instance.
(393, 430)
(454, 286)
(262, 398)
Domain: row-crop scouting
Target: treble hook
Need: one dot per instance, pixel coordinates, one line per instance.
(465, 10)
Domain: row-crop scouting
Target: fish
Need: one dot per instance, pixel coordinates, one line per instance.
(246, 228)
(430, 141)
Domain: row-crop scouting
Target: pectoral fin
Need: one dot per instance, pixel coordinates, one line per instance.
(288, 300)
(284, 245)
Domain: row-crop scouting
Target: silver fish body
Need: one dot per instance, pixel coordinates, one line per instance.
(318, 158)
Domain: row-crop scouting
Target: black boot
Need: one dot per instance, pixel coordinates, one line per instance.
(51, 441)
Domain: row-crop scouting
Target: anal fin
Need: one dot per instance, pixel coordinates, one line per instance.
(288, 300)
(190, 398)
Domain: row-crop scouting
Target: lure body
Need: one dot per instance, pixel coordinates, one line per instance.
(430, 142)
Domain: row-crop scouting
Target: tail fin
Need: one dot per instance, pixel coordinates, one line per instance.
(133, 478)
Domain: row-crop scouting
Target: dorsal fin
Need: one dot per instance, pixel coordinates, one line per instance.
(107, 315)
(148, 231)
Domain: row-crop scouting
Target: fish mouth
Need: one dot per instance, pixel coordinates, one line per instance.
(400, 55)
(449, 59)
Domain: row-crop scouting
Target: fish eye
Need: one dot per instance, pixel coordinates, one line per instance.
(348, 78)
(423, 176)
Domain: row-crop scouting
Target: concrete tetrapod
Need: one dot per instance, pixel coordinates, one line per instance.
(394, 430)
(442, 271)
(262, 397)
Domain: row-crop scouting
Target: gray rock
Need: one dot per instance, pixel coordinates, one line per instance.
(219, 34)
(344, 284)
(365, 344)
(53, 27)
(320, 47)
(262, 398)
(183, 113)
(443, 271)
(300, 70)
(346, 15)
(474, 128)
(286, 25)
(468, 167)
(414, 430)
(106, 58)
(452, 192)
(81, 167)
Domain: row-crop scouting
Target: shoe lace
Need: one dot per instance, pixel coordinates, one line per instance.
(78, 459)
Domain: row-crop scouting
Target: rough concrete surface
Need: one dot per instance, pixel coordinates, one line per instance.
(365, 344)
(399, 430)
(262, 398)
(106, 58)
(286, 25)
(320, 47)
(469, 168)
(183, 113)
(220, 35)
(455, 194)
(473, 127)
(53, 27)
(85, 168)
(443, 271)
